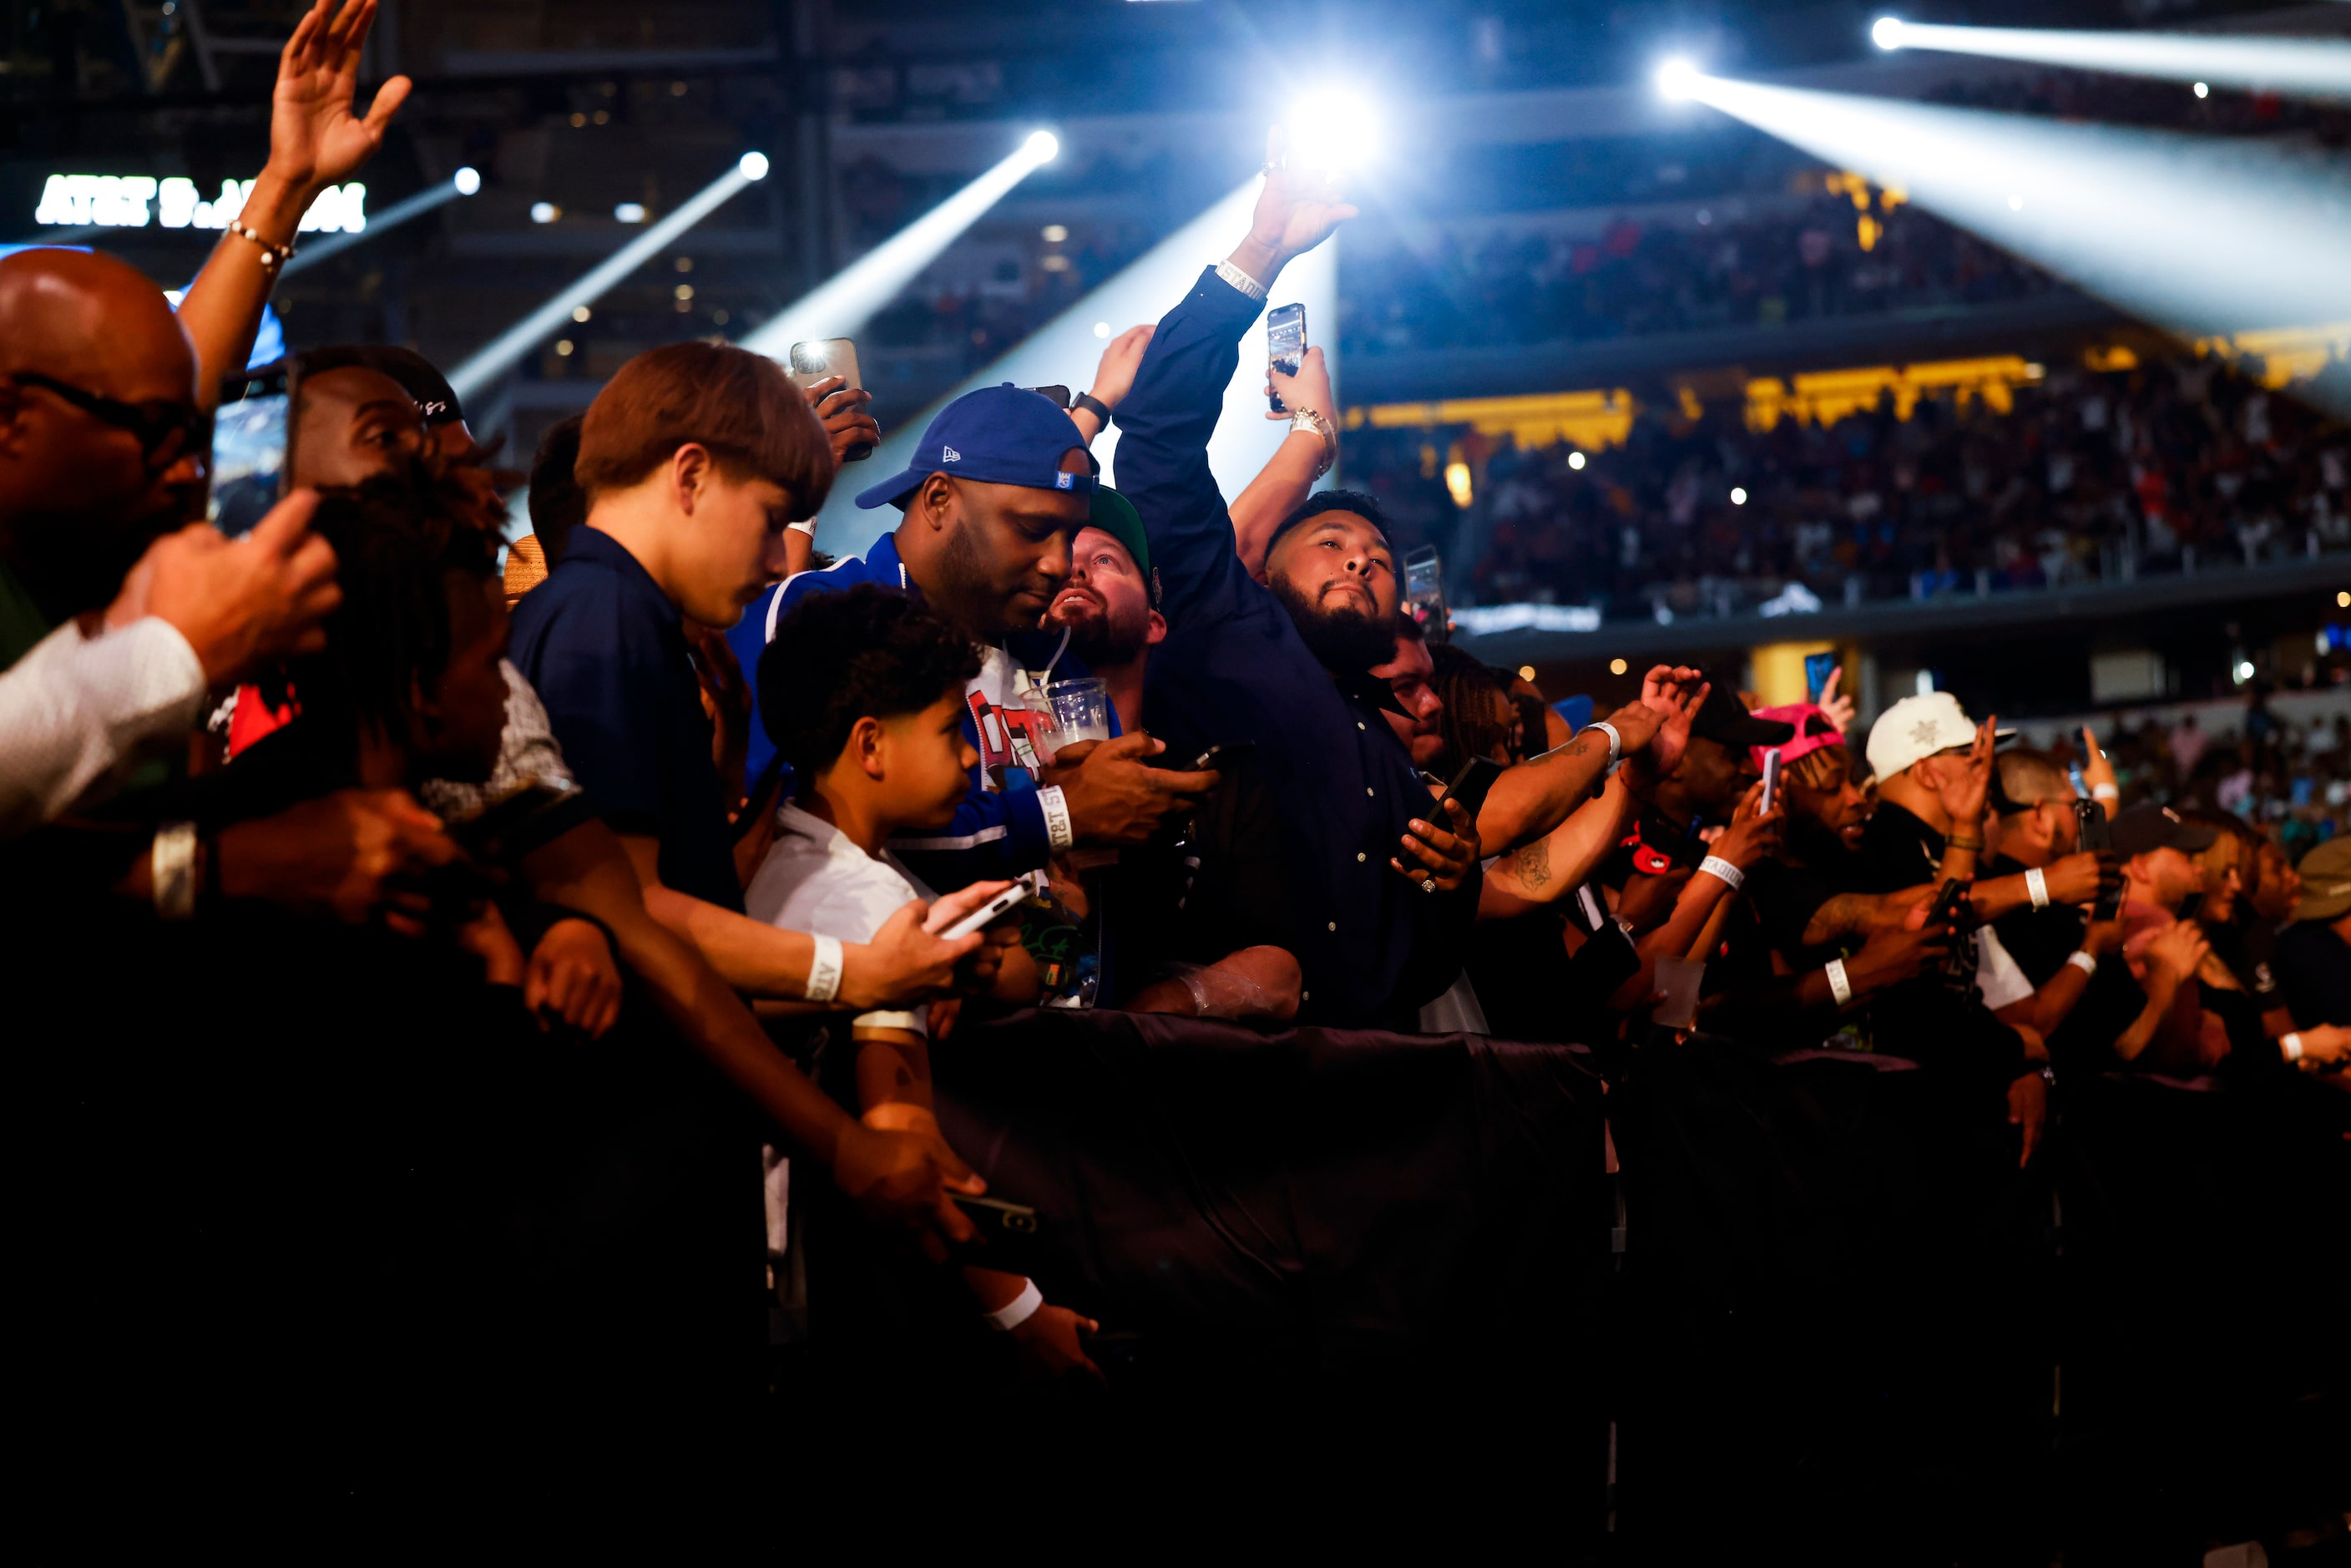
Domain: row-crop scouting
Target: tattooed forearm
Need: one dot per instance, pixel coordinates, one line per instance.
(1531, 863)
(1841, 916)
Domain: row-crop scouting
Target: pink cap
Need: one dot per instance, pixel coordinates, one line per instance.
(1814, 729)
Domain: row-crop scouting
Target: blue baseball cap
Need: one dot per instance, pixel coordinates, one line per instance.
(998, 435)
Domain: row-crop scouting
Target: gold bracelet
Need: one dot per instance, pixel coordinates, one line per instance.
(272, 255)
(1320, 426)
(1956, 843)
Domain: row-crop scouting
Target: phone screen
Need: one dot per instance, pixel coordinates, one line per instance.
(1285, 345)
(249, 454)
(1817, 668)
(1770, 781)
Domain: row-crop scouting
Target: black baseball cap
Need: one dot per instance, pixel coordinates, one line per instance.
(2148, 827)
(1724, 719)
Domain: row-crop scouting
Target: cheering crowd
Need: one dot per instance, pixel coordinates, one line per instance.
(522, 913)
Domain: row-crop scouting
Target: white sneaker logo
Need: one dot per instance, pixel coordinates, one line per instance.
(950, 456)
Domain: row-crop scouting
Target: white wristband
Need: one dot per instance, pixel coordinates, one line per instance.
(2084, 961)
(1055, 807)
(805, 525)
(172, 864)
(1240, 280)
(1715, 865)
(1839, 987)
(2038, 886)
(824, 970)
(2105, 792)
(2292, 1045)
(1615, 741)
(1019, 1310)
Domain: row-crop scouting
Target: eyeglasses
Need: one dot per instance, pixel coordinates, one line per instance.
(152, 425)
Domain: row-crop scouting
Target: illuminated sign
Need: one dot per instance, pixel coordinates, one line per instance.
(134, 201)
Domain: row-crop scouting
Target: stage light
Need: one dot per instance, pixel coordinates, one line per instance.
(545, 212)
(503, 352)
(2203, 90)
(1575, 460)
(1065, 351)
(2312, 67)
(464, 183)
(581, 313)
(1677, 80)
(839, 307)
(1331, 131)
(563, 348)
(1887, 32)
(2343, 601)
(1737, 496)
(630, 213)
(1617, 667)
(752, 166)
(1054, 234)
(2205, 236)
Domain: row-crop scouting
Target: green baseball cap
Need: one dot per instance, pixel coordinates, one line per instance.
(1115, 515)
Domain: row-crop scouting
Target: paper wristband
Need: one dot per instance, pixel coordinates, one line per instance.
(1019, 1310)
(1839, 987)
(1715, 865)
(1055, 807)
(2037, 885)
(173, 863)
(2292, 1045)
(824, 970)
(2086, 962)
(2105, 792)
(1615, 741)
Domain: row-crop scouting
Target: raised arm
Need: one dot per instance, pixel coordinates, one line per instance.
(315, 141)
(1533, 798)
(1302, 458)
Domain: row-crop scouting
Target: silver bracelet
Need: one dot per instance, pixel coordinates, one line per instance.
(2037, 885)
(1615, 741)
(1715, 865)
(1320, 426)
(825, 969)
(172, 865)
(1839, 987)
(2086, 961)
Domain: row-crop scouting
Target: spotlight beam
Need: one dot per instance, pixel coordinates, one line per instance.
(2303, 66)
(427, 200)
(839, 307)
(503, 352)
(2202, 236)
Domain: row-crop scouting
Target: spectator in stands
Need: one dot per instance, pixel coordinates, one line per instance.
(2057, 946)
(2314, 953)
(1110, 605)
(2160, 876)
(1418, 711)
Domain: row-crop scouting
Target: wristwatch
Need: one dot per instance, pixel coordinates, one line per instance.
(1320, 426)
(1093, 405)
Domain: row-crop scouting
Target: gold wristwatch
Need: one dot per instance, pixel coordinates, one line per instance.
(1308, 418)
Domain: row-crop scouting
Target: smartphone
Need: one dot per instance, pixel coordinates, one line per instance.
(1285, 346)
(1007, 1233)
(252, 448)
(817, 358)
(2095, 833)
(1950, 909)
(1058, 396)
(1818, 667)
(1770, 781)
(983, 917)
(1469, 786)
(1424, 591)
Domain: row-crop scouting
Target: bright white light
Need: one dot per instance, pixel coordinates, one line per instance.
(2201, 236)
(2203, 90)
(1332, 133)
(1054, 234)
(468, 180)
(1102, 328)
(839, 307)
(629, 211)
(1677, 80)
(752, 166)
(505, 350)
(1737, 496)
(581, 313)
(2245, 670)
(1887, 33)
(2314, 66)
(1575, 460)
(545, 212)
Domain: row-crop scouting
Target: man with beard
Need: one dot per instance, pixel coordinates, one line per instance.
(1384, 885)
(1110, 605)
(998, 487)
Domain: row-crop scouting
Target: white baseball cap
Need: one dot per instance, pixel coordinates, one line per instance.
(1918, 727)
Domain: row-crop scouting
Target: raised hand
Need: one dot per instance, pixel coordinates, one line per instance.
(315, 139)
(1964, 783)
(1115, 376)
(1677, 695)
(1309, 388)
(2176, 952)
(240, 604)
(840, 409)
(1296, 211)
(1835, 703)
(1753, 834)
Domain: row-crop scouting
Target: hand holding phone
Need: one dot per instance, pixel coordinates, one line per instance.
(820, 360)
(987, 914)
(1285, 348)
(1771, 782)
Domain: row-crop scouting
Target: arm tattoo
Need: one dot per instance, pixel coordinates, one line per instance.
(1839, 917)
(1531, 864)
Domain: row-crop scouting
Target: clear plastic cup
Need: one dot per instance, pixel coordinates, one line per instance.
(1080, 711)
(1678, 980)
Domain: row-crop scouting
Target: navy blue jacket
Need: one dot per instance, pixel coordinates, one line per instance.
(1374, 946)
